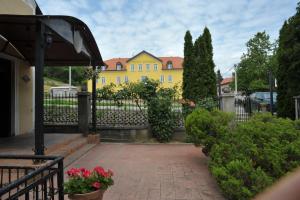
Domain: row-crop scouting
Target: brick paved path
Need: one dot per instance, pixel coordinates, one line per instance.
(154, 172)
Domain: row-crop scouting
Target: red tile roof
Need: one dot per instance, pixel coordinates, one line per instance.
(176, 61)
(226, 81)
(112, 63)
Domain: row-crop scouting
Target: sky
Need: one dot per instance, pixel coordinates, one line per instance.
(123, 28)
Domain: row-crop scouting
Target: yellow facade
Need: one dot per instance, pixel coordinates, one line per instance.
(148, 63)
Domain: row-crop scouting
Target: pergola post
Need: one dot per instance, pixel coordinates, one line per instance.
(94, 80)
(39, 88)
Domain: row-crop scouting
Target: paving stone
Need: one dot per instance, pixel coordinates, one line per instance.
(154, 172)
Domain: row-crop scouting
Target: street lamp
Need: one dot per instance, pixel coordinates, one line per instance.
(271, 91)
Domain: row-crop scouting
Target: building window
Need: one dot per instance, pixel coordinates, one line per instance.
(169, 65)
(119, 66)
(143, 78)
(155, 67)
(140, 67)
(132, 67)
(118, 81)
(103, 80)
(162, 78)
(126, 79)
(170, 79)
(148, 67)
(103, 68)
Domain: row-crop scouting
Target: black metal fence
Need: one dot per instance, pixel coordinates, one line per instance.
(243, 109)
(20, 179)
(60, 109)
(128, 113)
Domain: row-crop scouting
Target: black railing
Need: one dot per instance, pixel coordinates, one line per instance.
(243, 108)
(121, 113)
(60, 109)
(129, 113)
(21, 179)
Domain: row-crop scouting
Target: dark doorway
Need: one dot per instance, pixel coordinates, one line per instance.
(6, 98)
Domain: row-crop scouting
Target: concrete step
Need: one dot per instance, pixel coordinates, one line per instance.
(62, 144)
(68, 148)
(108, 136)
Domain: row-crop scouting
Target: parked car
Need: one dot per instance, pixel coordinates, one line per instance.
(261, 101)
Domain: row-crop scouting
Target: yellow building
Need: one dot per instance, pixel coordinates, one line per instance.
(168, 70)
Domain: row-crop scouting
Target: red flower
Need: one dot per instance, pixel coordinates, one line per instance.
(100, 171)
(85, 173)
(73, 172)
(96, 185)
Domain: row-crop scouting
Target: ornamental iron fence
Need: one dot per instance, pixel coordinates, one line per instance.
(21, 179)
(60, 109)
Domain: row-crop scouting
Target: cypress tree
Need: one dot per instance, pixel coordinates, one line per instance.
(210, 78)
(289, 66)
(188, 64)
(199, 73)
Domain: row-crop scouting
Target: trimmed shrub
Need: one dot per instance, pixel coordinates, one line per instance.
(204, 127)
(161, 118)
(254, 154)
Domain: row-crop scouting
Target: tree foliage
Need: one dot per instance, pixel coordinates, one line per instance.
(188, 64)
(62, 74)
(255, 64)
(289, 65)
(199, 78)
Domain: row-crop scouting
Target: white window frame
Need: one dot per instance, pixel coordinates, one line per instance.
(119, 67)
(170, 79)
(143, 78)
(155, 68)
(118, 80)
(103, 81)
(169, 65)
(148, 67)
(162, 78)
(126, 80)
(140, 67)
(132, 67)
(103, 68)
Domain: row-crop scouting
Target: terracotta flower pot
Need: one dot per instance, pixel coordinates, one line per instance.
(96, 195)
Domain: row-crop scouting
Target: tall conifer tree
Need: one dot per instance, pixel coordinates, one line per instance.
(210, 80)
(289, 66)
(188, 64)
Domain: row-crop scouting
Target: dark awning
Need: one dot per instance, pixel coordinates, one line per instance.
(72, 41)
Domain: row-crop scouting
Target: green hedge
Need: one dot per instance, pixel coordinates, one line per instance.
(250, 156)
(205, 127)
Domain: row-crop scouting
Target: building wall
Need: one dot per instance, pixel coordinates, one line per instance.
(23, 90)
(25, 94)
(18, 7)
(136, 75)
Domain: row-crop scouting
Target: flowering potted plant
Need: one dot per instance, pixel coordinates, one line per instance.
(86, 184)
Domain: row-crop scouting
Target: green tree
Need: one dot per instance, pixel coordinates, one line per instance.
(188, 64)
(204, 82)
(210, 80)
(289, 65)
(254, 66)
(62, 74)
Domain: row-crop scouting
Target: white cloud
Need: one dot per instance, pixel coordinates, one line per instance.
(125, 27)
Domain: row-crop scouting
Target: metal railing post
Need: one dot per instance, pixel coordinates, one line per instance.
(60, 180)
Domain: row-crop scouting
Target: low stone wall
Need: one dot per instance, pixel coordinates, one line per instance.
(135, 134)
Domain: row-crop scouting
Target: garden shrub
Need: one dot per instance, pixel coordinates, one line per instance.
(254, 154)
(161, 118)
(205, 127)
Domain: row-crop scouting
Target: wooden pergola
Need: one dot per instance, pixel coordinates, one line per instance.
(46, 40)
